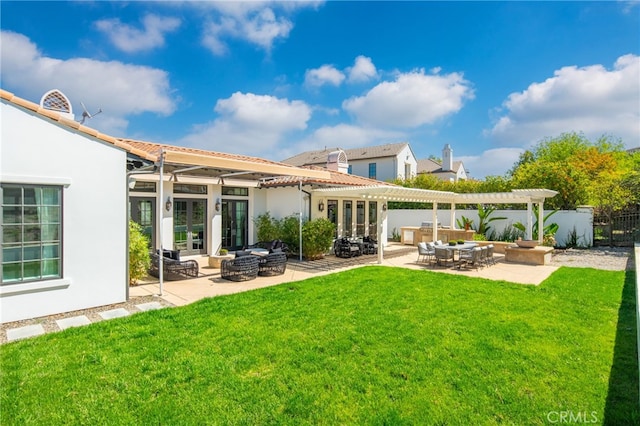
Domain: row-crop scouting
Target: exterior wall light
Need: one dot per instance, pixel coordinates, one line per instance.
(384, 207)
(321, 206)
(168, 204)
(217, 206)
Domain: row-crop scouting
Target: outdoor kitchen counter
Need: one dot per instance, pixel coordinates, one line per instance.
(412, 235)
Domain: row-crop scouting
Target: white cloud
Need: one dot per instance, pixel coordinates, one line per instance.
(412, 100)
(119, 89)
(259, 22)
(363, 70)
(250, 124)
(130, 39)
(326, 74)
(495, 162)
(591, 100)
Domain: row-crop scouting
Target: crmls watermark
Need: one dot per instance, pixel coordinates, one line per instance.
(572, 417)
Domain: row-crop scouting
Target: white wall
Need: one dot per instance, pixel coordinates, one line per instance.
(94, 244)
(581, 219)
(386, 168)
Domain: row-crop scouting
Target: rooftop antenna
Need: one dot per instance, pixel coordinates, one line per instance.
(86, 114)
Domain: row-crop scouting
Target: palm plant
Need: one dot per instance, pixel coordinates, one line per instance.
(484, 218)
(548, 231)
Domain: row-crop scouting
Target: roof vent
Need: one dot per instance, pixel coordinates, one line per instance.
(337, 161)
(55, 100)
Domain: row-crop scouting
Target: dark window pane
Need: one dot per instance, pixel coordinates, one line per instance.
(50, 268)
(31, 233)
(11, 215)
(50, 233)
(31, 215)
(12, 254)
(233, 190)
(50, 251)
(11, 196)
(32, 252)
(30, 196)
(11, 272)
(51, 196)
(31, 270)
(11, 234)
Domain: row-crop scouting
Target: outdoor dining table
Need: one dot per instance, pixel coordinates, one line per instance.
(457, 248)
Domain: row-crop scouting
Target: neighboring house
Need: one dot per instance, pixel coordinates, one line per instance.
(64, 210)
(383, 162)
(447, 170)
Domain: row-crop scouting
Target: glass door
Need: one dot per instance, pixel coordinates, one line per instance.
(235, 224)
(360, 218)
(347, 214)
(144, 214)
(189, 226)
(373, 219)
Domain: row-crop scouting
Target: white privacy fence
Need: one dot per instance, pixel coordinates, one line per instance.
(579, 221)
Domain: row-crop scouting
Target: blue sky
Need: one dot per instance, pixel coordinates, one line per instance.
(272, 79)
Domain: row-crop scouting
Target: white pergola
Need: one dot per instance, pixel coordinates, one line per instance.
(386, 193)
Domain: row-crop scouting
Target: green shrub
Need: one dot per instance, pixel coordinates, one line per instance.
(317, 236)
(139, 259)
(268, 228)
(290, 233)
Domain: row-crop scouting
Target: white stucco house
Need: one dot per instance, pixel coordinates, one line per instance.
(382, 162)
(67, 192)
(448, 170)
(64, 211)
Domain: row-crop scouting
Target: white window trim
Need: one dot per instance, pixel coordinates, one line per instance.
(36, 180)
(33, 287)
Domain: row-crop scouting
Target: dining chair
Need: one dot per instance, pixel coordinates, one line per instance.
(443, 255)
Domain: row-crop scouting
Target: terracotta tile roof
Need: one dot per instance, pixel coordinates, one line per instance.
(336, 179)
(88, 131)
(319, 157)
(154, 148)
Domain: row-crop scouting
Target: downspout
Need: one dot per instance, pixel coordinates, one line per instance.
(161, 223)
(142, 171)
(300, 221)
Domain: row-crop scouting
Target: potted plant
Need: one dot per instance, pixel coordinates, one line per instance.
(216, 260)
(453, 243)
(460, 241)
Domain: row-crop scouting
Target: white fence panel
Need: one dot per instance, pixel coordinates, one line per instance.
(579, 221)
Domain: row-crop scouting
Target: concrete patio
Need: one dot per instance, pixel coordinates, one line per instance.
(210, 284)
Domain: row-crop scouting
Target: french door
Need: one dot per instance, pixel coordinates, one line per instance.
(143, 212)
(235, 224)
(189, 225)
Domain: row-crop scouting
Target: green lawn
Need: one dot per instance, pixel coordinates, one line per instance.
(374, 345)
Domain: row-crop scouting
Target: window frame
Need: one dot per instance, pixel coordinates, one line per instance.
(372, 170)
(54, 244)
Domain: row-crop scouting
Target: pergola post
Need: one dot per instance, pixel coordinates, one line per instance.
(453, 216)
(383, 217)
(529, 231)
(435, 221)
(540, 222)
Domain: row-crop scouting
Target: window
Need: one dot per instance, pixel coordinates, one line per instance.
(183, 188)
(347, 218)
(360, 218)
(372, 170)
(232, 190)
(350, 169)
(407, 171)
(31, 233)
(142, 186)
(332, 214)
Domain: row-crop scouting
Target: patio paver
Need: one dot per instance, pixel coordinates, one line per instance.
(114, 313)
(149, 306)
(78, 321)
(24, 332)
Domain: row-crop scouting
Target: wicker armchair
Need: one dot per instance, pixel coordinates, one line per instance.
(272, 264)
(243, 268)
(173, 270)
